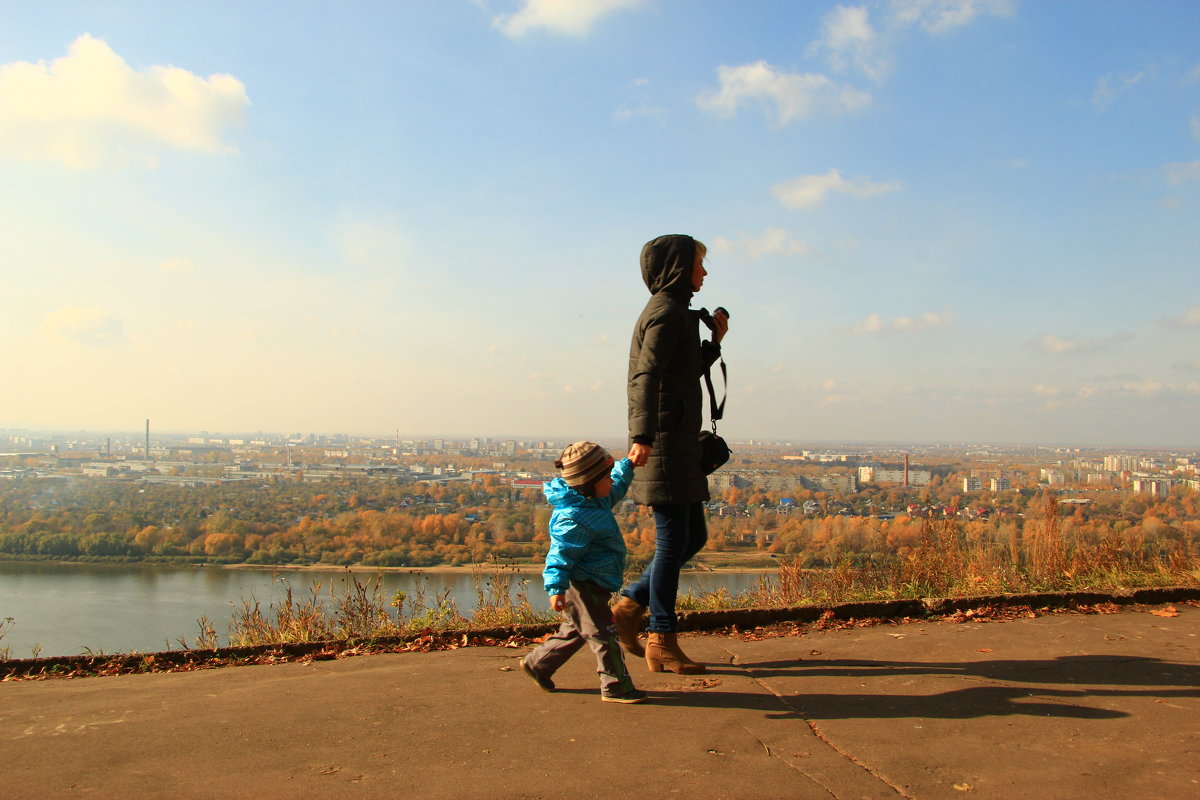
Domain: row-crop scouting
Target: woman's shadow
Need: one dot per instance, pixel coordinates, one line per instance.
(1040, 690)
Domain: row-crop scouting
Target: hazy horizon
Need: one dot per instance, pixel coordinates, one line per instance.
(932, 221)
(137, 435)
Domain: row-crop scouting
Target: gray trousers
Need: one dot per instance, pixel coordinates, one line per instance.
(586, 620)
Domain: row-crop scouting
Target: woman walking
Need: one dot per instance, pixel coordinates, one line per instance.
(666, 362)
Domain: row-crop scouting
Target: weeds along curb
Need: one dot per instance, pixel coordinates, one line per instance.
(929, 607)
(186, 660)
(517, 635)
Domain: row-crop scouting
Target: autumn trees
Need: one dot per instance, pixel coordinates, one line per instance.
(379, 523)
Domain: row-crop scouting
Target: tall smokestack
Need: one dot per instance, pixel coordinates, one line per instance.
(906, 469)
(148, 441)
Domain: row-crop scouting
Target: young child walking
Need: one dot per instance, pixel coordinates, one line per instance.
(585, 565)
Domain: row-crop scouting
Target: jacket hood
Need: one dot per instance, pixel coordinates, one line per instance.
(667, 264)
(561, 495)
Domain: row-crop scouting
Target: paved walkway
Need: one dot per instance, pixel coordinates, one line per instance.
(1061, 706)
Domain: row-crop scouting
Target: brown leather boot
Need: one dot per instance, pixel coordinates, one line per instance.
(628, 616)
(662, 652)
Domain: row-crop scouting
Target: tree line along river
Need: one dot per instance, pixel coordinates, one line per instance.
(68, 609)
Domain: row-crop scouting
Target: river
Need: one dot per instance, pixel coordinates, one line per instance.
(68, 609)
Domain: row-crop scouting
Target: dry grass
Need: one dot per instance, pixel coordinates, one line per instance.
(950, 561)
(359, 611)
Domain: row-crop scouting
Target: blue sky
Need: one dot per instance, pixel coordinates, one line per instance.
(950, 220)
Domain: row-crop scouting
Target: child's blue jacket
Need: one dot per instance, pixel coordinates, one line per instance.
(585, 540)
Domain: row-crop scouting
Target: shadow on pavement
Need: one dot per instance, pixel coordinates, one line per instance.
(1107, 673)
(981, 701)
(1072, 670)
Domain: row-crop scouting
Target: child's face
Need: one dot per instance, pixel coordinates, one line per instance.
(604, 485)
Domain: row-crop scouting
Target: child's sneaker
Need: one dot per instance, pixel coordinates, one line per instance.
(631, 696)
(545, 683)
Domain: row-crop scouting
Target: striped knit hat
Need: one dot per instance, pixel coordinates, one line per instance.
(583, 462)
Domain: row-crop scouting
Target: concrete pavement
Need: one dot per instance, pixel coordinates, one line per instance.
(1059, 706)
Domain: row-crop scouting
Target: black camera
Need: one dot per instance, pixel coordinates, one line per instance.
(707, 318)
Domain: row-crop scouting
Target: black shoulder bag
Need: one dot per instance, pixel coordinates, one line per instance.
(713, 449)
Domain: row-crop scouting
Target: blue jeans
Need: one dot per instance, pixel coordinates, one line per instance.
(680, 532)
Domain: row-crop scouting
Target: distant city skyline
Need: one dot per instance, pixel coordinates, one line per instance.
(160, 438)
(932, 221)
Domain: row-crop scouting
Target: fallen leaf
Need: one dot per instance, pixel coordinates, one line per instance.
(963, 787)
(984, 650)
(1169, 611)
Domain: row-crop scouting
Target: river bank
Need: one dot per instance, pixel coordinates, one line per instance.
(67, 607)
(468, 569)
(722, 562)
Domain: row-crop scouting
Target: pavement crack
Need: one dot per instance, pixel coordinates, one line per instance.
(816, 731)
(771, 754)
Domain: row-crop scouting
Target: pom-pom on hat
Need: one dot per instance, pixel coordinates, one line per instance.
(583, 462)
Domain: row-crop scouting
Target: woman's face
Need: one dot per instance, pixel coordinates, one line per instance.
(698, 271)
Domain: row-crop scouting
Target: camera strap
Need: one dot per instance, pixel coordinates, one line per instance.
(716, 411)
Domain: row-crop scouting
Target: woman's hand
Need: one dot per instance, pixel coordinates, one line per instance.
(720, 325)
(558, 602)
(639, 454)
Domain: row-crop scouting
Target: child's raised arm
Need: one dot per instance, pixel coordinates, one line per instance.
(622, 476)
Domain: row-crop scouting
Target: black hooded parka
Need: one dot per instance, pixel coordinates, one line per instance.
(666, 364)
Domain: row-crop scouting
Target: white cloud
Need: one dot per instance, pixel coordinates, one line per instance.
(930, 320)
(1053, 345)
(808, 191)
(90, 107)
(793, 96)
(852, 43)
(640, 105)
(626, 113)
(1046, 391)
(940, 16)
(1057, 346)
(87, 326)
(1182, 172)
(573, 17)
(177, 265)
(376, 244)
(1188, 319)
(1112, 86)
(1146, 388)
(772, 241)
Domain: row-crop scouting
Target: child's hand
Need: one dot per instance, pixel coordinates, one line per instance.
(558, 602)
(639, 454)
